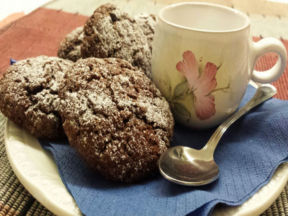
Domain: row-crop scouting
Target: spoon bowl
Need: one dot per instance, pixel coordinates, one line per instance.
(178, 166)
(187, 166)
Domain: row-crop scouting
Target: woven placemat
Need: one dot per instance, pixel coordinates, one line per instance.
(14, 198)
(44, 39)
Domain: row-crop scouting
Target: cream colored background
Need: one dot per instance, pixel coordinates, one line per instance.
(268, 17)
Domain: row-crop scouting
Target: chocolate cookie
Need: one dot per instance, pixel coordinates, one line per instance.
(29, 94)
(147, 24)
(109, 32)
(70, 46)
(116, 118)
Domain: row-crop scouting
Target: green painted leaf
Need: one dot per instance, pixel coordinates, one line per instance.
(219, 66)
(193, 98)
(181, 90)
(168, 94)
(180, 110)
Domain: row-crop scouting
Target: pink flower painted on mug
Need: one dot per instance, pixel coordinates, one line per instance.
(200, 83)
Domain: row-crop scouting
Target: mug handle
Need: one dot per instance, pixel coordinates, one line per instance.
(260, 48)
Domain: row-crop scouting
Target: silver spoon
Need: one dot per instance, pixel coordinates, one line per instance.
(192, 167)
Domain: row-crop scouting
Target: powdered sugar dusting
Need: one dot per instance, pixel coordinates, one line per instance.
(29, 94)
(147, 23)
(110, 32)
(70, 46)
(119, 122)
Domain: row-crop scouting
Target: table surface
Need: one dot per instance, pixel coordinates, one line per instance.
(268, 18)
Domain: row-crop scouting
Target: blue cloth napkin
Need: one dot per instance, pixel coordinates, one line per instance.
(247, 155)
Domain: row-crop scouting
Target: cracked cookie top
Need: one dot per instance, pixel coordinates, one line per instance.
(70, 46)
(147, 23)
(29, 94)
(110, 32)
(115, 117)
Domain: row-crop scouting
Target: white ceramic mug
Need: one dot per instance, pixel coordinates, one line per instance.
(203, 58)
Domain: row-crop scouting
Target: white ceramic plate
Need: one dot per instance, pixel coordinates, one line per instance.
(37, 171)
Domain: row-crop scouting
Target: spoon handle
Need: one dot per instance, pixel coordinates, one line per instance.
(263, 93)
